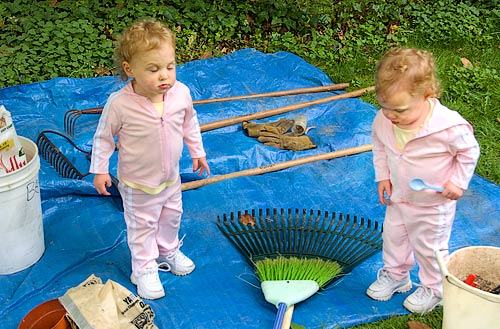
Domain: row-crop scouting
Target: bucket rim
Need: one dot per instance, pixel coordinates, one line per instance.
(453, 280)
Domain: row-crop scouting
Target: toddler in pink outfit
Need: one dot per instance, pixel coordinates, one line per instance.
(415, 136)
(152, 117)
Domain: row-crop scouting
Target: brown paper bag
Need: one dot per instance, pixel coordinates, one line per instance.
(93, 305)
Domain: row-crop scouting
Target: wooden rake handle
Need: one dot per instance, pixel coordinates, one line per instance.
(298, 91)
(276, 166)
(317, 89)
(280, 110)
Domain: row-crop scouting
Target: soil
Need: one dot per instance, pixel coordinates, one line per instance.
(483, 262)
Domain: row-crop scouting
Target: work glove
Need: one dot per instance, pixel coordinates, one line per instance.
(287, 142)
(258, 129)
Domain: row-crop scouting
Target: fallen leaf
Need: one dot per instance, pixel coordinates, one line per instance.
(417, 325)
(206, 54)
(465, 62)
(246, 219)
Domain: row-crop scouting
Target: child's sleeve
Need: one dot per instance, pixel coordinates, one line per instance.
(466, 149)
(379, 155)
(104, 143)
(192, 133)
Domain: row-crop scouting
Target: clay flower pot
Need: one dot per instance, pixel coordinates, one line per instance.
(48, 315)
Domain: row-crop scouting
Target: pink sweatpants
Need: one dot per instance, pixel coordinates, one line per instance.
(413, 232)
(153, 223)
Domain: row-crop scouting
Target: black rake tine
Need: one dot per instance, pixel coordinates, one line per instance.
(71, 116)
(69, 121)
(56, 158)
(368, 243)
(345, 239)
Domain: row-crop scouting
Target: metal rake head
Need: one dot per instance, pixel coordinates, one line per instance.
(64, 166)
(71, 116)
(56, 158)
(270, 233)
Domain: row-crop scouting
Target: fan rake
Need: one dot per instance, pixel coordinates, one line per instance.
(270, 233)
(299, 237)
(71, 116)
(346, 239)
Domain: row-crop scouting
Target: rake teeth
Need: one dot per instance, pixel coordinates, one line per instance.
(56, 158)
(71, 116)
(270, 233)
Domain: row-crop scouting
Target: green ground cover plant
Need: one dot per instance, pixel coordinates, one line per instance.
(45, 39)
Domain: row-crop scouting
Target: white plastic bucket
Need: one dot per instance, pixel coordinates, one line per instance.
(21, 228)
(466, 307)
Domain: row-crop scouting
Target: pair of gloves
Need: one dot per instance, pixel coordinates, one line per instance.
(275, 134)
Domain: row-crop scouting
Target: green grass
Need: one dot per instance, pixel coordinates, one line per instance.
(433, 319)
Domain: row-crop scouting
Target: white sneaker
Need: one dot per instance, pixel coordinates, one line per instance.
(385, 286)
(422, 300)
(148, 284)
(176, 262)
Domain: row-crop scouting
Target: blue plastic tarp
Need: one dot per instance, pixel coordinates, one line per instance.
(85, 233)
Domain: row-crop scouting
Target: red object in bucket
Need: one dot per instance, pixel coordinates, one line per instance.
(470, 280)
(48, 315)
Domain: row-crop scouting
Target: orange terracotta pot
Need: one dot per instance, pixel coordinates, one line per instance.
(48, 315)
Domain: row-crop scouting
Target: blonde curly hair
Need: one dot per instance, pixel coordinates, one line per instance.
(141, 36)
(407, 69)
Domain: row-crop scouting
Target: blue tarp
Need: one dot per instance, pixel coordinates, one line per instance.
(85, 233)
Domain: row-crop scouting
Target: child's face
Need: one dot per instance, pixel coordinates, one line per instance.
(404, 110)
(154, 72)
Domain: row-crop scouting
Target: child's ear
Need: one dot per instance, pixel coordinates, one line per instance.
(127, 69)
(428, 94)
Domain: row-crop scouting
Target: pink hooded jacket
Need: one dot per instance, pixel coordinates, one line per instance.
(445, 149)
(150, 145)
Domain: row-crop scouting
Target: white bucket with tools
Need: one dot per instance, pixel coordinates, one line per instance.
(21, 228)
(466, 307)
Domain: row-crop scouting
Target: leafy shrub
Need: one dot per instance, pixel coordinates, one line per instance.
(73, 38)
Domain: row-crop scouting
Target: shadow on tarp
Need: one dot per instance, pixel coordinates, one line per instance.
(85, 234)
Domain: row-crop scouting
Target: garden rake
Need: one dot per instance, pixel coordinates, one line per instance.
(261, 234)
(63, 166)
(71, 116)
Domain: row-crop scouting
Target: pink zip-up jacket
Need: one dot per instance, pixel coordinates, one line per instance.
(150, 145)
(445, 149)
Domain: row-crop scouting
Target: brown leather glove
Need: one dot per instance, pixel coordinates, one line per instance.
(287, 141)
(258, 129)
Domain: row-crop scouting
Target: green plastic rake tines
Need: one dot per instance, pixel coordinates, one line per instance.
(293, 268)
(304, 234)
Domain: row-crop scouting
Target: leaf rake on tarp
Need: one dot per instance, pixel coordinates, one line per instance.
(57, 159)
(295, 238)
(344, 238)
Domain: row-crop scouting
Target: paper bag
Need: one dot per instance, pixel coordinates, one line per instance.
(12, 156)
(93, 305)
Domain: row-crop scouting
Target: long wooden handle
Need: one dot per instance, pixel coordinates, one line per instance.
(280, 110)
(276, 166)
(317, 89)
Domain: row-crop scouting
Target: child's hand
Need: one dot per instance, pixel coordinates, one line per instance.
(101, 181)
(452, 192)
(384, 191)
(202, 165)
